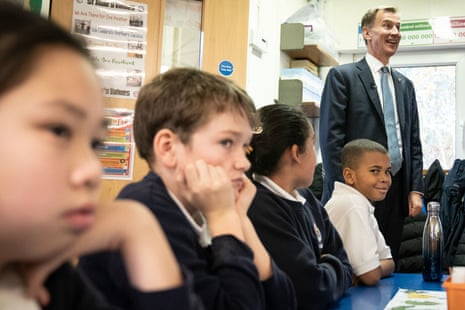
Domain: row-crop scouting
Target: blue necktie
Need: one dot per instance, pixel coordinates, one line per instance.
(390, 122)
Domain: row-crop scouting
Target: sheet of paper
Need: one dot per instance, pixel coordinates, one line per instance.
(418, 299)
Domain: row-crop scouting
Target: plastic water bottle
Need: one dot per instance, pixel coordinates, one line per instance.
(432, 244)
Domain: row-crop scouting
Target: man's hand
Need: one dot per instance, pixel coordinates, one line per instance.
(414, 203)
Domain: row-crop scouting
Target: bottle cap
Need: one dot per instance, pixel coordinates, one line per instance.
(433, 206)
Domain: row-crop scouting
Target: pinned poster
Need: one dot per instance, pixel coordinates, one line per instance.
(116, 154)
(115, 32)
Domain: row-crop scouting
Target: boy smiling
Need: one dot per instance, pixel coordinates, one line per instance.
(366, 171)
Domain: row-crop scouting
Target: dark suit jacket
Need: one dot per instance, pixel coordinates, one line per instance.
(351, 109)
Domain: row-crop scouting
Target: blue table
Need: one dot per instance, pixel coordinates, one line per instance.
(377, 297)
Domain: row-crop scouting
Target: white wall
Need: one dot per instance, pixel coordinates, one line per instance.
(263, 68)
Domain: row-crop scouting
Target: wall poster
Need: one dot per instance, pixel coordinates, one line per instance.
(117, 153)
(115, 32)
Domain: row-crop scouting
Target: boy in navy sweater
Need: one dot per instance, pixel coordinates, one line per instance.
(193, 129)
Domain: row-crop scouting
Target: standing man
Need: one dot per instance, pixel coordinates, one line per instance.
(368, 99)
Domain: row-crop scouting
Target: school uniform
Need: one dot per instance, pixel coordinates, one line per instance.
(353, 216)
(301, 239)
(69, 289)
(225, 276)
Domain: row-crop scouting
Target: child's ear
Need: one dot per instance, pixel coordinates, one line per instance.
(164, 147)
(295, 153)
(348, 175)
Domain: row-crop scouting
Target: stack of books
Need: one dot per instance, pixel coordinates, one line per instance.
(305, 63)
(312, 85)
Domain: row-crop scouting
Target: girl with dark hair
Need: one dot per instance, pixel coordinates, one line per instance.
(288, 218)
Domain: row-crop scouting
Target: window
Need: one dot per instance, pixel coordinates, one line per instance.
(437, 74)
(181, 34)
(435, 92)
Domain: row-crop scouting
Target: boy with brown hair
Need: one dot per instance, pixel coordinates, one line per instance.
(193, 129)
(367, 174)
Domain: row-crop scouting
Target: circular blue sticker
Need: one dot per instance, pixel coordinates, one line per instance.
(226, 68)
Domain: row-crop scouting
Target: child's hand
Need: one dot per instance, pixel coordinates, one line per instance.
(35, 273)
(122, 225)
(209, 189)
(245, 196)
(34, 276)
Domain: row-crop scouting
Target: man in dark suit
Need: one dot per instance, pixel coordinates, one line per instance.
(352, 108)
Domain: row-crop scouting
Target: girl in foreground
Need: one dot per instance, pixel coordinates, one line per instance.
(51, 121)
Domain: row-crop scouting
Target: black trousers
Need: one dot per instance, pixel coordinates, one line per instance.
(390, 214)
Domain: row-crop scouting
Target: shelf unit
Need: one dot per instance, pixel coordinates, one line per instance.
(293, 44)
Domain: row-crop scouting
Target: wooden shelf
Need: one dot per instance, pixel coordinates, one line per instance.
(292, 43)
(314, 53)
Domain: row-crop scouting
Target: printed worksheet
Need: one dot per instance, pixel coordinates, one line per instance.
(418, 299)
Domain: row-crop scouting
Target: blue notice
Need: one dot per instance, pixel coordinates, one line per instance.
(226, 68)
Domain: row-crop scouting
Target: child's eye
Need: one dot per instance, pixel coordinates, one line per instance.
(375, 171)
(226, 143)
(61, 131)
(97, 144)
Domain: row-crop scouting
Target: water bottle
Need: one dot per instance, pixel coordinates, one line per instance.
(432, 244)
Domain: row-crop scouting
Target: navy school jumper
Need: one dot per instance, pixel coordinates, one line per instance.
(304, 243)
(225, 276)
(69, 289)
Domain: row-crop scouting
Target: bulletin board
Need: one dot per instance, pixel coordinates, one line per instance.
(62, 12)
(223, 43)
